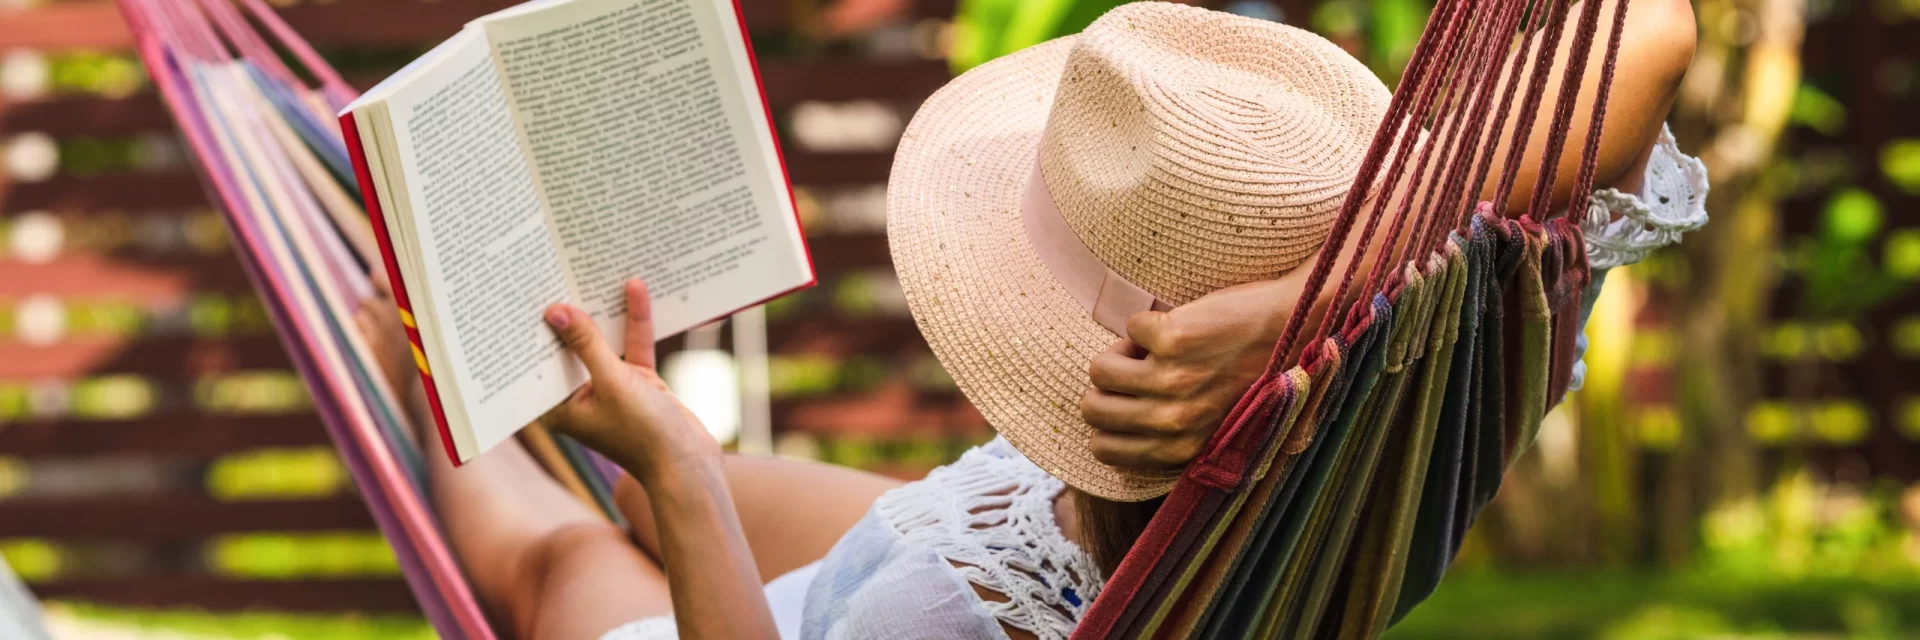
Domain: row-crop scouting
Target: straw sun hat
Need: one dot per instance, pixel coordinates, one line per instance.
(1040, 199)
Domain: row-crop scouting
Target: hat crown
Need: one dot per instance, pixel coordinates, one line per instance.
(1192, 150)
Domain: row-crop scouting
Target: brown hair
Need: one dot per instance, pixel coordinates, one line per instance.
(1108, 528)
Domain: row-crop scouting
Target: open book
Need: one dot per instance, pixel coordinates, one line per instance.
(549, 152)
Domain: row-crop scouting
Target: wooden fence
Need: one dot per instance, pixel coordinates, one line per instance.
(154, 449)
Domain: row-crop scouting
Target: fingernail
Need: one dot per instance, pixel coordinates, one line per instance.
(557, 318)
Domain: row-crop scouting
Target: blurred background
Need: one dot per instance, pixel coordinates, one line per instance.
(1743, 462)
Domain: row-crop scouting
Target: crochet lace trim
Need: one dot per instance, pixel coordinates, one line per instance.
(991, 515)
(1622, 228)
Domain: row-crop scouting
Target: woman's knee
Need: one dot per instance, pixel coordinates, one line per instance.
(574, 557)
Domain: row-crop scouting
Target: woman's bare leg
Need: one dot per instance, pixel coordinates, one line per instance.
(792, 511)
(527, 542)
(552, 567)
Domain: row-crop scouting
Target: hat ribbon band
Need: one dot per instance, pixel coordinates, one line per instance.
(1107, 295)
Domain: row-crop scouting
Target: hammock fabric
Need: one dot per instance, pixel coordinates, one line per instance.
(1330, 501)
(271, 154)
(1336, 492)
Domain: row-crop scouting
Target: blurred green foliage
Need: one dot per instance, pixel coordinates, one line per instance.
(1393, 31)
(32, 558)
(894, 452)
(112, 75)
(256, 625)
(1842, 280)
(1648, 606)
(1901, 256)
(1389, 30)
(1803, 529)
(276, 474)
(1815, 109)
(1803, 560)
(302, 556)
(1900, 161)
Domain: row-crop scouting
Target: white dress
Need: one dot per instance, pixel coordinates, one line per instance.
(991, 512)
(19, 612)
(1622, 228)
(911, 567)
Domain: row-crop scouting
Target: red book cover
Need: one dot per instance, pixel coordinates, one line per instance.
(766, 108)
(372, 198)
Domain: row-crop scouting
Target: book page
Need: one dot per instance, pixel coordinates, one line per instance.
(651, 147)
(484, 243)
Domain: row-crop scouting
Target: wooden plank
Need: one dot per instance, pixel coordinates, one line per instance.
(837, 169)
(96, 24)
(65, 25)
(131, 278)
(170, 357)
(787, 82)
(223, 594)
(824, 333)
(350, 23)
(384, 23)
(170, 436)
(174, 517)
(835, 254)
(894, 410)
(160, 190)
(182, 188)
(80, 115)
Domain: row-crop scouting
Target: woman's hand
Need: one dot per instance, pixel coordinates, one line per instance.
(627, 413)
(1159, 394)
(626, 410)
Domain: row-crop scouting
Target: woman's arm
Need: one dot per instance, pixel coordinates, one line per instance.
(1158, 395)
(1655, 50)
(627, 413)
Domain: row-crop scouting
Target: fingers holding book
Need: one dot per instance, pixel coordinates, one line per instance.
(639, 324)
(625, 411)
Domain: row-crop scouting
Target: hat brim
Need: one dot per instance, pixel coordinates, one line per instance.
(1016, 342)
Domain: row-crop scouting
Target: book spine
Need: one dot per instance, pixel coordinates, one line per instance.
(364, 176)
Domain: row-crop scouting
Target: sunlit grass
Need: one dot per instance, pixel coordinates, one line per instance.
(90, 621)
(1641, 606)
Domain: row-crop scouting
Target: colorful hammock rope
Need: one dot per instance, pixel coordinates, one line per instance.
(271, 154)
(1338, 490)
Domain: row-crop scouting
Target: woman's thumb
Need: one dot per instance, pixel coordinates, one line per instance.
(580, 335)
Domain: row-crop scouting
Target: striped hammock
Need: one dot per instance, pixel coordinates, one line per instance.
(270, 152)
(1337, 491)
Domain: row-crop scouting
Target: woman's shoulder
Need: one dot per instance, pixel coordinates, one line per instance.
(1671, 32)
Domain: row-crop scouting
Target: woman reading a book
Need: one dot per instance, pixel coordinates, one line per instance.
(1078, 137)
